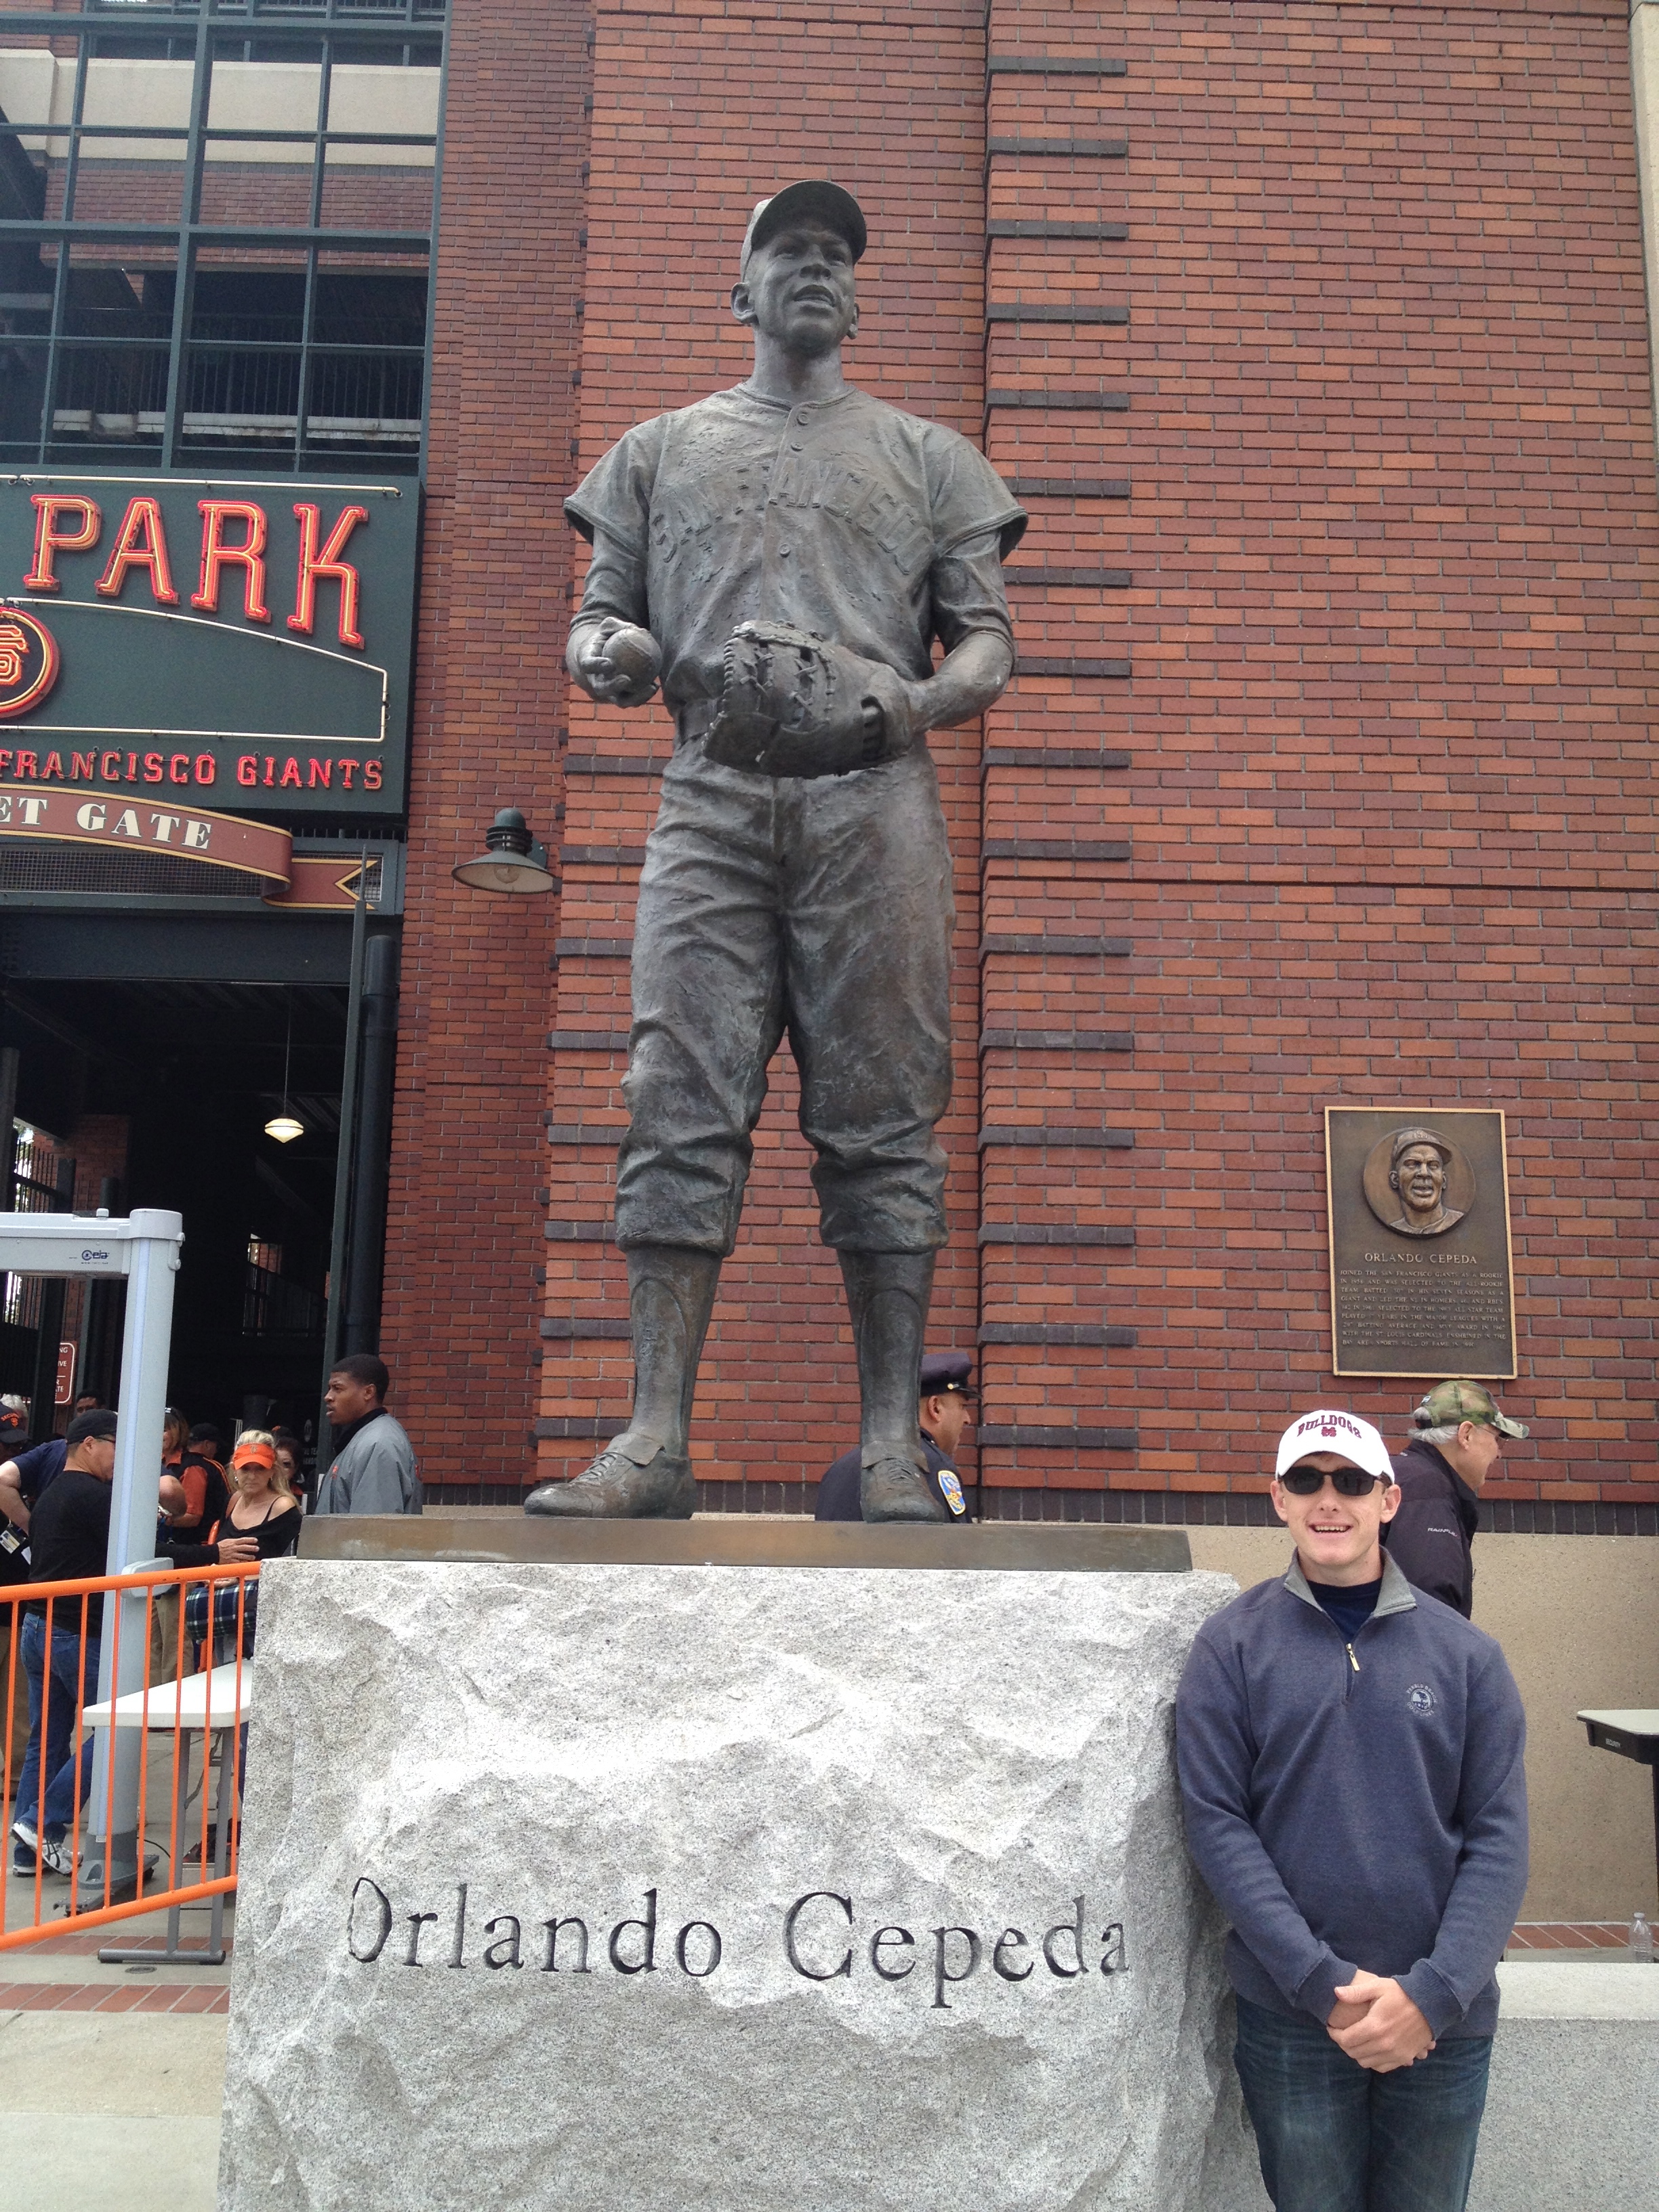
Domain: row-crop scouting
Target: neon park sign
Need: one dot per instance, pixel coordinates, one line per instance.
(251, 637)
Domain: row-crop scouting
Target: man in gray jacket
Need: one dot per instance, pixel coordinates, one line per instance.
(1351, 1766)
(373, 1470)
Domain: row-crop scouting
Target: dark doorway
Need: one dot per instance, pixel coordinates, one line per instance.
(159, 1092)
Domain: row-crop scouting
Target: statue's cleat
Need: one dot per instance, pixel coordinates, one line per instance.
(898, 1490)
(615, 1488)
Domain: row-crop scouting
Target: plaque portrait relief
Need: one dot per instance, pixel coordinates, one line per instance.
(1419, 1222)
(1417, 1181)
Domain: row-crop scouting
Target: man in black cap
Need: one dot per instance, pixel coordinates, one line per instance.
(944, 1411)
(1459, 1435)
(784, 555)
(68, 1541)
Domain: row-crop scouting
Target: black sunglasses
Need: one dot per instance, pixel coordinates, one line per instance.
(1308, 1481)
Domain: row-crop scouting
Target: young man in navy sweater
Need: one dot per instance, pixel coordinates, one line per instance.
(1351, 1766)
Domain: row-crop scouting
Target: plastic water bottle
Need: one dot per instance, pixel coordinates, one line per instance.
(1641, 1939)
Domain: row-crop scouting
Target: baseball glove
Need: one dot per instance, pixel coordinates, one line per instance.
(795, 705)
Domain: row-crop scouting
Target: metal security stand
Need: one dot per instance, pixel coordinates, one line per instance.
(144, 1248)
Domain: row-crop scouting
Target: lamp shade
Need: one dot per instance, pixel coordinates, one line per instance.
(512, 863)
(284, 1127)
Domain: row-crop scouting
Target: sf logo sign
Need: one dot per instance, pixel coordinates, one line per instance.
(28, 661)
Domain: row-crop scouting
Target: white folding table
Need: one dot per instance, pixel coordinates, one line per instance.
(208, 1706)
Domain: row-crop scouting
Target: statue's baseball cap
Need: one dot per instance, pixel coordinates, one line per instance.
(1325, 1431)
(816, 196)
(1448, 1403)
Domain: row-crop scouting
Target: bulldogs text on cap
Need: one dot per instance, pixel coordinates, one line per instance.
(1327, 1429)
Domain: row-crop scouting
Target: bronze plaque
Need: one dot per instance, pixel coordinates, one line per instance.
(1419, 1209)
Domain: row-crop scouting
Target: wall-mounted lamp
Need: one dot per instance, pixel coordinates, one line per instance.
(513, 862)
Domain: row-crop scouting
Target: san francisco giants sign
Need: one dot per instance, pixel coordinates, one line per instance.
(245, 638)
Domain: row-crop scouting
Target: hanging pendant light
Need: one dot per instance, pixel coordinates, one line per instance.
(286, 1126)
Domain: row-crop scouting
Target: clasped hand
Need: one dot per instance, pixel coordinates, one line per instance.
(1377, 2024)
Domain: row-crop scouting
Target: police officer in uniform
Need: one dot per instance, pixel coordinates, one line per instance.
(945, 1409)
(783, 555)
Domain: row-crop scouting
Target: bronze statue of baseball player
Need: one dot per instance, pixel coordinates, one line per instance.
(784, 554)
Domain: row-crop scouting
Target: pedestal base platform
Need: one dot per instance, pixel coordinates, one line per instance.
(718, 1540)
(637, 1888)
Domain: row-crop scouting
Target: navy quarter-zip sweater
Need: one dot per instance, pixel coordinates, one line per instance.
(1355, 1805)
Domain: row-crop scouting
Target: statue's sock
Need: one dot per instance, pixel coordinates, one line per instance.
(888, 1295)
(671, 1295)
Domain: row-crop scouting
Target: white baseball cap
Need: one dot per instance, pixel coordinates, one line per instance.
(1324, 1431)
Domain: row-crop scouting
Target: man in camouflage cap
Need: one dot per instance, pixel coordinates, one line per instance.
(1459, 1436)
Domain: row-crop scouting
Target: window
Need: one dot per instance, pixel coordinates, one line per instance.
(271, 1305)
(38, 1184)
(215, 233)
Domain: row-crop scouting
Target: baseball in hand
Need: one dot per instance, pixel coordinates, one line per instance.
(634, 654)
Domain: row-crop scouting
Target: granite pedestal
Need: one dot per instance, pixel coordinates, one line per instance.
(634, 1887)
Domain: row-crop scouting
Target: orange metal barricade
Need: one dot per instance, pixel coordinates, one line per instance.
(165, 1708)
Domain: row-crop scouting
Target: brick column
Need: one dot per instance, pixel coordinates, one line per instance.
(469, 1150)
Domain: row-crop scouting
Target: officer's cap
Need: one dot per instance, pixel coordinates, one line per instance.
(947, 1371)
(816, 196)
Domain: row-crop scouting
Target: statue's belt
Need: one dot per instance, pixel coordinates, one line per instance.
(694, 720)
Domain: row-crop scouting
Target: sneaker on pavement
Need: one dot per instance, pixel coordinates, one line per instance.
(57, 1857)
(25, 1833)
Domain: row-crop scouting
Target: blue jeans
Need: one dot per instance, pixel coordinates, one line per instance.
(1333, 2137)
(61, 1708)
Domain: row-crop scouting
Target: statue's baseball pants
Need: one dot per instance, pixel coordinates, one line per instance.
(816, 909)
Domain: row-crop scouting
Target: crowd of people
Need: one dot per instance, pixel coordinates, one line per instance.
(218, 1509)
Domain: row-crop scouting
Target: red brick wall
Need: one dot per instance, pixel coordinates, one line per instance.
(463, 1239)
(1389, 540)
(1391, 536)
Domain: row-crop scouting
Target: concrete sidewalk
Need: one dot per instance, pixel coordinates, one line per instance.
(110, 2112)
(111, 2081)
(110, 2077)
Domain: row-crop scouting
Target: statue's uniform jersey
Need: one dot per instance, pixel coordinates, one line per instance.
(845, 517)
(821, 907)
